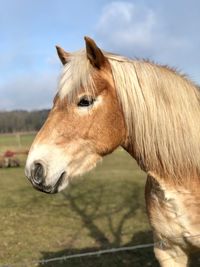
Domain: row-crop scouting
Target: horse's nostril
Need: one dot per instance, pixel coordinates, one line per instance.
(37, 173)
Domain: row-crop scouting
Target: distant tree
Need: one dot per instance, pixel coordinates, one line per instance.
(21, 120)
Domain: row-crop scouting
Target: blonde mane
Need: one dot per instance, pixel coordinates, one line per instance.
(161, 109)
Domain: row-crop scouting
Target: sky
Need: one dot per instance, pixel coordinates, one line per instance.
(166, 32)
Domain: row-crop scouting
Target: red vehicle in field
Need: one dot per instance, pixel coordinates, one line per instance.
(9, 158)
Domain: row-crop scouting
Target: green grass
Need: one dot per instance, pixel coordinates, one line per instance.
(103, 209)
(15, 141)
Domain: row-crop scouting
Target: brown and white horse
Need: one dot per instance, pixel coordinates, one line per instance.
(105, 101)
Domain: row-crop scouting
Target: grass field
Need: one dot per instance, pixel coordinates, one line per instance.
(103, 209)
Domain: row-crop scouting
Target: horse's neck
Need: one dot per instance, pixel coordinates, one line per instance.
(192, 185)
(129, 147)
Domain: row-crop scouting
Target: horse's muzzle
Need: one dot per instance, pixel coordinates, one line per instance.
(37, 177)
(38, 173)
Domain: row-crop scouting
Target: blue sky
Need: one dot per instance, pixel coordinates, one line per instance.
(164, 31)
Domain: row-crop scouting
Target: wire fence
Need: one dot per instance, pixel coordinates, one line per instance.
(80, 255)
(90, 254)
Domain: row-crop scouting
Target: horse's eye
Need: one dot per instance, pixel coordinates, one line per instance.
(85, 102)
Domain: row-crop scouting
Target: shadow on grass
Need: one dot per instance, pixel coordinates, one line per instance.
(89, 211)
(137, 258)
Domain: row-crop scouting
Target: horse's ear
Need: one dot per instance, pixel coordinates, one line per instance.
(64, 56)
(94, 53)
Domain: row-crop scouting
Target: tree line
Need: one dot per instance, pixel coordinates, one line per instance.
(21, 120)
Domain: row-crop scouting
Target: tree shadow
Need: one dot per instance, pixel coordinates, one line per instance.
(89, 211)
(137, 258)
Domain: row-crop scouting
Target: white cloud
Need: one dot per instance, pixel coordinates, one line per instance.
(163, 31)
(123, 24)
(136, 30)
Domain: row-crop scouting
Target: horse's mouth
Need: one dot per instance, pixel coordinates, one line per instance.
(50, 189)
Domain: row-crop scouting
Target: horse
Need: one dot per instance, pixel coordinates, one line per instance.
(104, 101)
